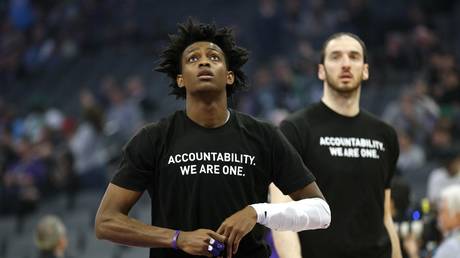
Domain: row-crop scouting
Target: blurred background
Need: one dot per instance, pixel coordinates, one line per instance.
(77, 80)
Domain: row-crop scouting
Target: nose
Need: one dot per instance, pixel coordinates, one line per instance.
(346, 61)
(204, 62)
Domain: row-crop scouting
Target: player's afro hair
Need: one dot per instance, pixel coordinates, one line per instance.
(192, 31)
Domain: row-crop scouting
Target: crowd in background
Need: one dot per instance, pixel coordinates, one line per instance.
(414, 86)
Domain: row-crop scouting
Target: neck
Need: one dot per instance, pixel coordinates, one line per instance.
(343, 103)
(207, 111)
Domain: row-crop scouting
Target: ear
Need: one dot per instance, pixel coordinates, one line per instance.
(321, 72)
(230, 78)
(180, 81)
(366, 72)
(62, 243)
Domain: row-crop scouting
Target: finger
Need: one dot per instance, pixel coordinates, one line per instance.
(221, 229)
(217, 236)
(231, 239)
(236, 243)
(206, 251)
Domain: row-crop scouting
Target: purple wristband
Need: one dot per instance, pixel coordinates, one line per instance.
(174, 240)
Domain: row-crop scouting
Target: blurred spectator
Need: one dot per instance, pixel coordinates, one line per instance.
(138, 95)
(415, 112)
(24, 181)
(87, 99)
(51, 237)
(404, 115)
(447, 175)
(64, 178)
(34, 123)
(449, 223)
(397, 57)
(440, 62)
(317, 22)
(286, 85)
(12, 44)
(411, 156)
(123, 116)
(267, 30)
(441, 141)
(88, 149)
(448, 90)
(427, 107)
(424, 42)
(359, 19)
(260, 99)
(40, 51)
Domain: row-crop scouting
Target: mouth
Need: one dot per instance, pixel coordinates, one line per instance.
(346, 77)
(205, 75)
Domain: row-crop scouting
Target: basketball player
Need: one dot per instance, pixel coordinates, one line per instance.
(353, 156)
(207, 169)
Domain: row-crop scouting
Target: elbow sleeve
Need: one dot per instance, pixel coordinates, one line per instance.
(311, 213)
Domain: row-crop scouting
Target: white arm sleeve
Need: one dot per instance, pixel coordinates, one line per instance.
(311, 213)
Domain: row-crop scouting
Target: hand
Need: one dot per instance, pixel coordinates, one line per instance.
(197, 242)
(235, 227)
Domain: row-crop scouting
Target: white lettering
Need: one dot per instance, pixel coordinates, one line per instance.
(336, 151)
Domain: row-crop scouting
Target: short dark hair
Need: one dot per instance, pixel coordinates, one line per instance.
(338, 35)
(193, 31)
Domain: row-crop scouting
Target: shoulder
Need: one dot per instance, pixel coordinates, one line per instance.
(163, 124)
(449, 248)
(301, 119)
(158, 130)
(378, 124)
(255, 128)
(303, 115)
(250, 122)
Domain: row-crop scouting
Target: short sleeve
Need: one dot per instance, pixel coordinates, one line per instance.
(289, 172)
(394, 155)
(137, 164)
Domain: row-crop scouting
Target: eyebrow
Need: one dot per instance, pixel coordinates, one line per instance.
(208, 48)
(351, 51)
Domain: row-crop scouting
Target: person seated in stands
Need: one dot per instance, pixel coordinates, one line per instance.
(51, 237)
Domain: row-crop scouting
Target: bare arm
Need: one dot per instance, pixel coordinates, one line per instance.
(287, 243)
(309, 191)
(113, 223)
(388, 222)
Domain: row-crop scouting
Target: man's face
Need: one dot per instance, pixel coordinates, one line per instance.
(344, 68)
(446, 220)
(204, 69)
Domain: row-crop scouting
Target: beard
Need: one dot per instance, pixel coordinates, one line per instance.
(343, 88)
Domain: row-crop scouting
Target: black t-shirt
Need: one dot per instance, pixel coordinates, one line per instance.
(353, 160)
(196, 177)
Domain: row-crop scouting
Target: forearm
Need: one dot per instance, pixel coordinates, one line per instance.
(394, 239)
(389, 225)
(124, 230)
(287, 244)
